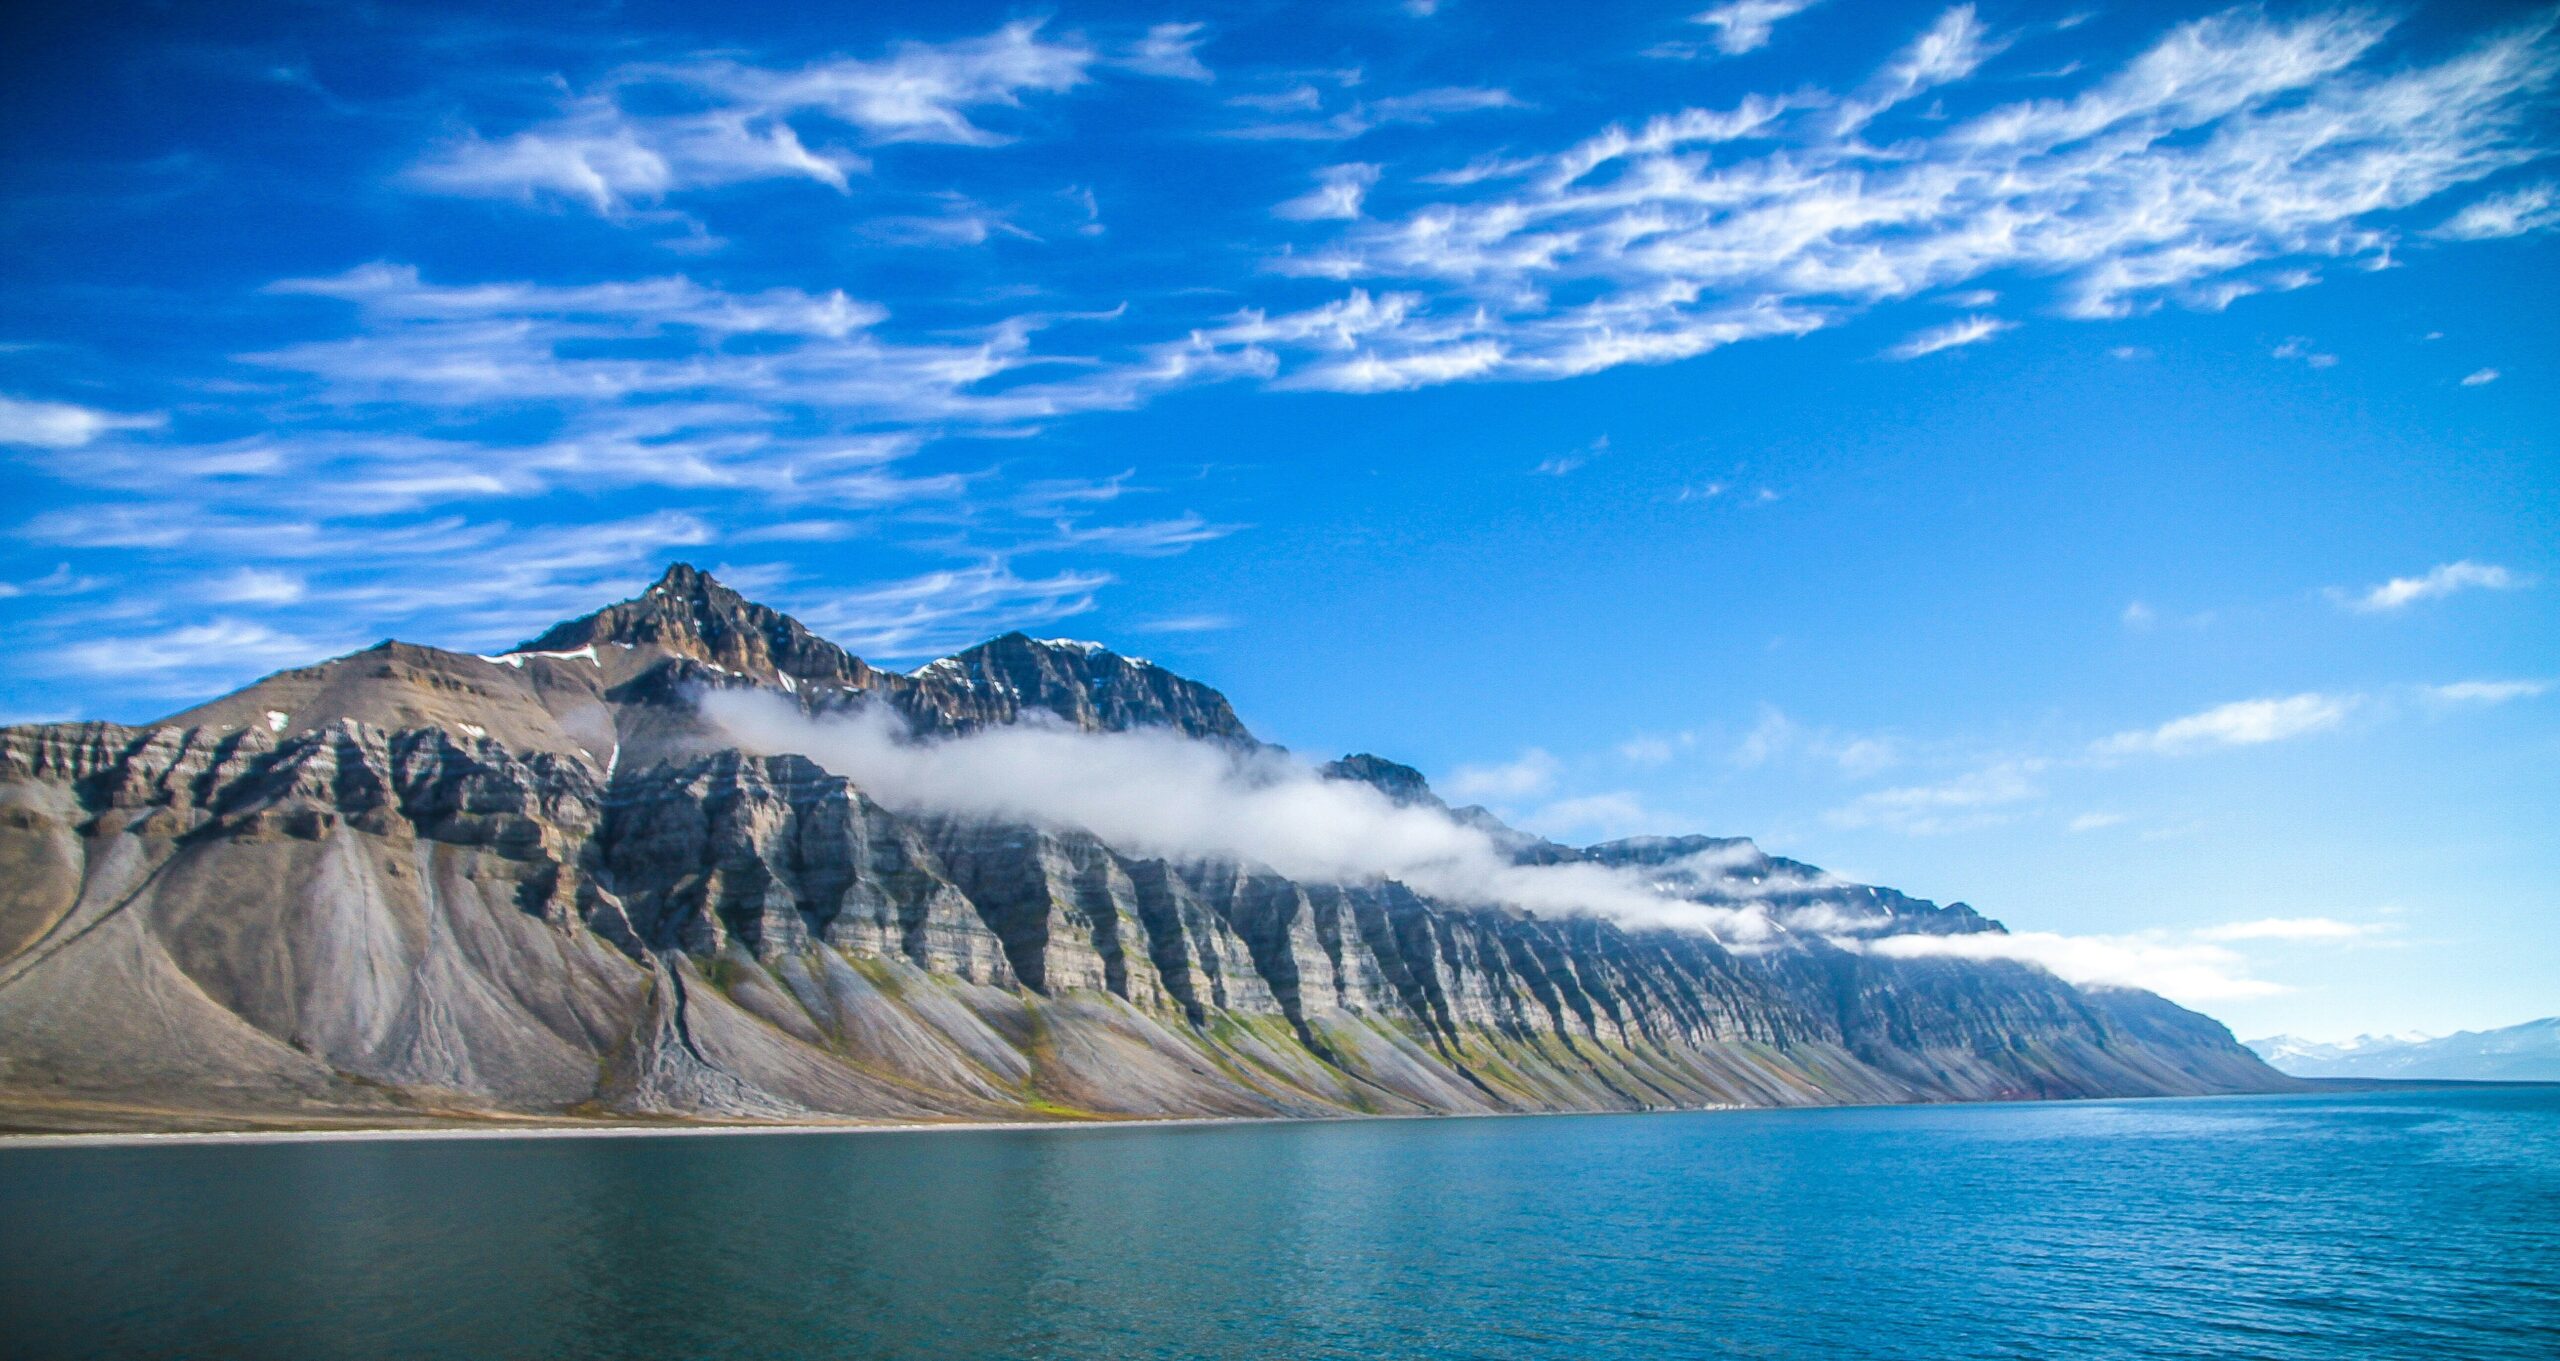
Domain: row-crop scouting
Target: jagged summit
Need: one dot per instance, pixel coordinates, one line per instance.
(1086, 684)
(690, 613)
(1397, 781)
(618, 683)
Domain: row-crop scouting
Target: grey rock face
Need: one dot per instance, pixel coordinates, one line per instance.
(1090, 686)
(418, 883)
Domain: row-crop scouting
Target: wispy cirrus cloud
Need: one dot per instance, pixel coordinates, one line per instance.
(1976, 799)
(2212, 165)
(1776, 737)
(1532, 772)
(1171, 51)
(1951, 50)
(2484, 692)
(60, 581)
(2241, 723)
(2293, 928)
(2518, 211)
(1743, 26)
(1338, 191)
(1359, 117)
(217, 647)
(934, 613)
(744, 122)
(461, 407)
(1953, 335)
(2435, 583)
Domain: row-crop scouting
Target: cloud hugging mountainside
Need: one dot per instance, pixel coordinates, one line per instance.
(1035, 879)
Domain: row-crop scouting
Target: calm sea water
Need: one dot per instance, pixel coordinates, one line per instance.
(2412, 1224)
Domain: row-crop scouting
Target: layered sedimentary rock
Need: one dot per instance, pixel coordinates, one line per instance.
(411, 881)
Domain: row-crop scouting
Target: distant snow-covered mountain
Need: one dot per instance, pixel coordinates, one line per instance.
(2518, 1053)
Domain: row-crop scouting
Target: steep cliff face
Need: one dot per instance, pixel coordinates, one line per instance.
(416, 882)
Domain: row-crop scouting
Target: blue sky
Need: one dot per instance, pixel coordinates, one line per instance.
(2092, 461)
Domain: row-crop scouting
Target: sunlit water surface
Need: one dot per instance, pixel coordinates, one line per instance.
(2422, 1223)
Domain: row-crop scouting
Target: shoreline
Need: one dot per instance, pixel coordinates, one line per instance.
(603, 1130)
(566, 1130)
(631, 1130)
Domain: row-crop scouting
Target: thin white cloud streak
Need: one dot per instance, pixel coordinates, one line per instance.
(58, 582)
(442, 346)
(1160, 794)
(1616, 812)
(486, 582)
(1422, 108)
(1746, 25)
(1169, 51)
(939, 612)
(2437, 582)
(256, 586)
(1141, 539)
(2531, 208)
(2485, 692)
(816, 414)
(2242, 723)
(2299, 347)
(1775, 736)
(63, 425)
(1973, 800)
(215, 647)
(1952, 50)
(2292, 928)
(1953, 335)
(1337, 195)
(596, 151)
(2479, 378)
(1533, 772)
(1189, 623)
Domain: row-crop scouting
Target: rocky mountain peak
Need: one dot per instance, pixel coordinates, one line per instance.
(1087, 684)
(1402, 783)
(690, 613)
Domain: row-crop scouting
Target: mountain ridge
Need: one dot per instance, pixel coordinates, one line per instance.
(2526, 1052)
(410, 881)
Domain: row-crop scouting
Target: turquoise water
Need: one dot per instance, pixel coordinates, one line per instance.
(2412, 1224)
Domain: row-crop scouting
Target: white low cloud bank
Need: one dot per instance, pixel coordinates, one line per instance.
(1160, 794)
(2187, 971)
